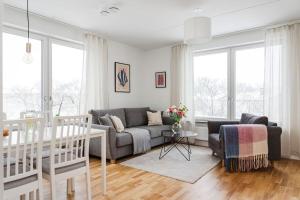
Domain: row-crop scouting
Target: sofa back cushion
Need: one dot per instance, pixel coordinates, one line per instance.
(253, 119)
(136, 116)
(119, 112)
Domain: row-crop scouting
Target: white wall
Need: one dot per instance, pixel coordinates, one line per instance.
(122, 53)
(157, 60)
(234, 39)
(160, 60)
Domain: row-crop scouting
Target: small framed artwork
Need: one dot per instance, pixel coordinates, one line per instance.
(160, 80)
(122, 77)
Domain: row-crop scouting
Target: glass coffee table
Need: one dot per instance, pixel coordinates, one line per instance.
(175, 140)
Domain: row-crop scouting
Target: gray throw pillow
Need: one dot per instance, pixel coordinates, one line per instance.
(105, 120)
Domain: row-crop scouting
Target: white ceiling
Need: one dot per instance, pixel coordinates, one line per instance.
(149, 24)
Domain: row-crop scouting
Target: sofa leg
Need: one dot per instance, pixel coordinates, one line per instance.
(271, 164)
(113, 161)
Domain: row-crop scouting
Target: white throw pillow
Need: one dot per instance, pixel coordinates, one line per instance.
(154, 118)
(117, 123)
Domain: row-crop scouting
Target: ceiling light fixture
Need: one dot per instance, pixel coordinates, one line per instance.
(113, 9)
(28, 58)
(109, 10)
(197, 30)
(104, 13)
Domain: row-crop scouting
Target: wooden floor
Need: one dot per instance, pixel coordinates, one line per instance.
(125, 183)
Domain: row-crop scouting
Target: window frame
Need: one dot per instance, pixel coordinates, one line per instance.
(231, 76)
(216, 51)
(50, 79)
(46, 61)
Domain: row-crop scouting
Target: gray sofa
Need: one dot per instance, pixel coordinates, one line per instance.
(119, 145)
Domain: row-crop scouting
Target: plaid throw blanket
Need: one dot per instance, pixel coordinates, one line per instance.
(246, 147)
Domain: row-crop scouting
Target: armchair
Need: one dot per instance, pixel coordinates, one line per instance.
(215, 138)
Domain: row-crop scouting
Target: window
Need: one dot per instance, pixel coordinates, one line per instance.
(21, 82)
(210, 80)
(229, 82)
(249, 64)
(67, 64)
(51, 84)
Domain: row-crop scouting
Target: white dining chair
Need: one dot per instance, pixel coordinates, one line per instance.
(69, 151)
(19, 176)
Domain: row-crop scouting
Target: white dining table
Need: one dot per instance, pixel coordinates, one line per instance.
(94, 133)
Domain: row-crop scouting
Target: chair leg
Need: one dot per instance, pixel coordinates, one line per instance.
(40, 192)
(113, 161)
(73, 184)
(69, 186)
(32, 195)
(88, 185)
(23, 197)
(53, 189)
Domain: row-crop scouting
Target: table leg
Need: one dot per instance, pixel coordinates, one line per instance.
(103, 163)
(170, 147)
(69, 186)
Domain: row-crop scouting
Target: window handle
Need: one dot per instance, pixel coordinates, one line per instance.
(46, 98)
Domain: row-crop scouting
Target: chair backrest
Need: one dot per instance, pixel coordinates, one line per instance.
(24, 140)
(70, 140)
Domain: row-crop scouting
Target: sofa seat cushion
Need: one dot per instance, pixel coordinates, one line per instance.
(155, 131)
(136, 116)
(123, 139)
(19, 182)
(214, 140)
(120, 112)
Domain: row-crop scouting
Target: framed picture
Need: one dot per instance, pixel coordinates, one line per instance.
(122, 77)
(160, 80)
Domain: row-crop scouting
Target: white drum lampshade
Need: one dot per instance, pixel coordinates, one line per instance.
(197, 30)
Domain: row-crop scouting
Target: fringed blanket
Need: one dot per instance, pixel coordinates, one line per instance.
(246, 147)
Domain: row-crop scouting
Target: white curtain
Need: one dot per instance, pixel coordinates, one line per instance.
(282, 84)
(1, 74)
(94, 89)
(182, 79)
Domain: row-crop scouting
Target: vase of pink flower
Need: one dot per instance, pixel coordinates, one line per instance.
(177, 113)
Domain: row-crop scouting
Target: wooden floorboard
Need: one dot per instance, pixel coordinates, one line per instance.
(124, 183)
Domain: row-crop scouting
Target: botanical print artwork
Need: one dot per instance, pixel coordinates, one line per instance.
(160, 79)
(122, 77)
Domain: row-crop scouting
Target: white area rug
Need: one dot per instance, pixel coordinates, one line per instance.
(174, 165)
